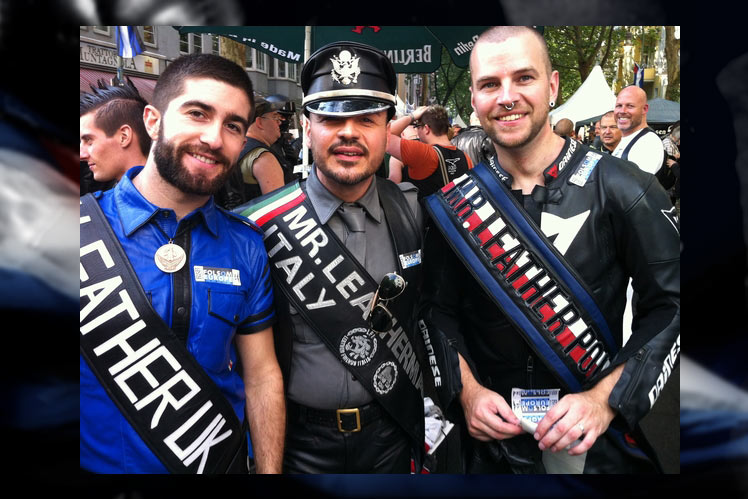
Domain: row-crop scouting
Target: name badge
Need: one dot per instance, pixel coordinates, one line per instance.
(217, 275)
(530, 406)
(585, 170)
(410, 259)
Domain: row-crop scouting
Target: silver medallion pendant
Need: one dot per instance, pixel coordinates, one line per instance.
(170, 258)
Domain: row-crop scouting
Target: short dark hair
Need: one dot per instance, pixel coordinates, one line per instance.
(114, 106)
(171, 82)
(436, 118)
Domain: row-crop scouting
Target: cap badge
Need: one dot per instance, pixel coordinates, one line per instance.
(345, 68)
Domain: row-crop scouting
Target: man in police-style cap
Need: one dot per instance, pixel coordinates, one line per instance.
(342, 243)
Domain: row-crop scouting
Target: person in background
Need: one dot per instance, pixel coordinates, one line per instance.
(112, 134)
(397, 171)
(433, 161)
(610, 135)
(597, 141)
(669, 174)
(639, 143)
(565, 128)
(260, 169)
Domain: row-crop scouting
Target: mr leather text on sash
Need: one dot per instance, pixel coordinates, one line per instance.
(332, 291)
(524, 275)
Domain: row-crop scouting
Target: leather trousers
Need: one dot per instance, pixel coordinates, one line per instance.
(380, 447)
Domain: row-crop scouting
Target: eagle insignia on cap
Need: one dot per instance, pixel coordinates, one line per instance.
(345, 68)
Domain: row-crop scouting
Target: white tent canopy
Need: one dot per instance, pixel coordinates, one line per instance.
(458, 121)
(401, 109)
(593, 98)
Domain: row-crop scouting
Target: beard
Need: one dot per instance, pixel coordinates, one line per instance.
(368, 164)
(634, 121)
(168, 159)
(536, 125)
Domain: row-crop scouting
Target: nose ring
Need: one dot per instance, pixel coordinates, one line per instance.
(509, 108)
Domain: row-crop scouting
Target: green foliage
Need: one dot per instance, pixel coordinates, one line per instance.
(453, 88)
(673, 92)
(575, 50)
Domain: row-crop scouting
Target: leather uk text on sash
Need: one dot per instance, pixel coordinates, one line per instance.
(147, 372)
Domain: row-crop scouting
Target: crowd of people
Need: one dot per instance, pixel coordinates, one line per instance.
(461, 313)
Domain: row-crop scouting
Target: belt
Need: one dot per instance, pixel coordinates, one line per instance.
(345, 420)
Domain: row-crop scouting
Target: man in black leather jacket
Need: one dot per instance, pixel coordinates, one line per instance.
(611, 222)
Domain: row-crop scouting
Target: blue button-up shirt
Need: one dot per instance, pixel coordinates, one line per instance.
(219, 308)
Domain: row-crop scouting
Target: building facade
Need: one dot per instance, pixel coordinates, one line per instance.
(162, 45)
(655, 78)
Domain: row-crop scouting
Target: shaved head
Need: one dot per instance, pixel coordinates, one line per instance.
(631, 110)
(633, 92)
(498, 34)
(512, 86)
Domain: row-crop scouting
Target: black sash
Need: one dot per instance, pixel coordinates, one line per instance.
(157, 384)
(332, 291)
(524, 275)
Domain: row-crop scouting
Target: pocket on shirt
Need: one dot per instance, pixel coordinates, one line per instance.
(226, 310)
(226, 306)
(302, 332)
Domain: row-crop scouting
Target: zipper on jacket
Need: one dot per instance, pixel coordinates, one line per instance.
(530, 364)
(640, 357)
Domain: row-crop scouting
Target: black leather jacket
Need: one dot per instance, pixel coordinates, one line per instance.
(618, 224)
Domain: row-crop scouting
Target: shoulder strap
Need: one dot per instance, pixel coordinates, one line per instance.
(642, 133)
(184, 419)
(442, 165)
(397, 211)
(408, 242)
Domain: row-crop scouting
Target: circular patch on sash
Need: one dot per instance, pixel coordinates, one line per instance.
(358, 346)
(385, 377)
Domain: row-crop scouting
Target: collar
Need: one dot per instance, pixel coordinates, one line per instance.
(559, 164)
(550, 173)
(135, 210)
(326, 203)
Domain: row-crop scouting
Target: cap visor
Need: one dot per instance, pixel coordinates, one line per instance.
(347, 107)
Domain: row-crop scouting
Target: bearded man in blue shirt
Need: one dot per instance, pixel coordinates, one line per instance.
(179, 399)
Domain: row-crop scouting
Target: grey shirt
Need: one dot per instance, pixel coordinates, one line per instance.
(318, 378)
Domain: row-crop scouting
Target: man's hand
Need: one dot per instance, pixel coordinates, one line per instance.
(487, 414)
(397, 127)
(418, 113)
(579, 414)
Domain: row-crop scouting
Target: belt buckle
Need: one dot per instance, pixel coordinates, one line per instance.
(340, 412)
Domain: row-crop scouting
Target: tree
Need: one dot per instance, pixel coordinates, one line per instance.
(453, 88)
(576, 50)
(672, 54)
